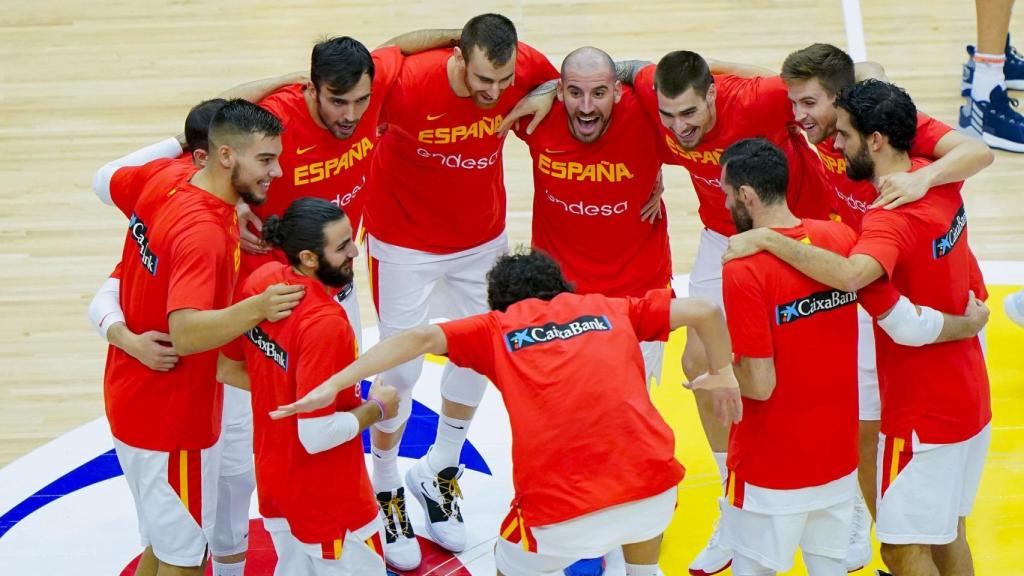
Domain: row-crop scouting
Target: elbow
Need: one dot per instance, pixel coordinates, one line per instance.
(101, 183)
(311, 441)
(984, 154)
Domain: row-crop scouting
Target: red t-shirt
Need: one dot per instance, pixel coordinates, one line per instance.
(321, 495)
(436, 183)
(744, 108)
(852, 197)
(587, 200)
(314, 162)
(805, 434)
(181, 252)
(585, 435)
(939, 391)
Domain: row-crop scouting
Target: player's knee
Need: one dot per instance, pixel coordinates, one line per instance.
(463, 386)
(403, 376)
(230, 534)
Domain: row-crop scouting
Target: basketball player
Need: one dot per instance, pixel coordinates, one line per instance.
(595, 164)
(814, 76)
(619, 486)
(177, 273)
(935, 399)
(325, 528)
(788, 332)
(435, 217)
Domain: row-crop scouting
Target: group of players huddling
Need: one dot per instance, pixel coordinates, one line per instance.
(831, 201)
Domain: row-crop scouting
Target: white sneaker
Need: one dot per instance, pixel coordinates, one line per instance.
(858, 555)
(713, 559)
(401, 549)
(438, 494)
(1014, 306)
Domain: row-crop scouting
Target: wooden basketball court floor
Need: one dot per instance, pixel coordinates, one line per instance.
(84, 82)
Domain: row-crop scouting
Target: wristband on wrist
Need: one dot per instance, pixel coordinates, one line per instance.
(380, 405)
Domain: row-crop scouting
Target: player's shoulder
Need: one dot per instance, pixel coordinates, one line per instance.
(286, 102)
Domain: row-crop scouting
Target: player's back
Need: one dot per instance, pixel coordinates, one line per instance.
(581, 353)
(939, 391)
(805, 433)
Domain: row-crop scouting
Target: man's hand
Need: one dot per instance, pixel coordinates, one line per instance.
(538, 105)
(976, 313)
(152, 349)
(900, 188)
(317, 398)
(651, 210)
(725, 394)
(251, 242)
(386, 395)
(278, 300)
(744, 244)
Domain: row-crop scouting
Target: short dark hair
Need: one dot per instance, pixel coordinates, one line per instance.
(494, 34)
(521, 275)
(757, 163)
(877, 106)
(681, 70)
(240, 118)
(301, 227)
(339, 63)
(825, 63)
(197, 123)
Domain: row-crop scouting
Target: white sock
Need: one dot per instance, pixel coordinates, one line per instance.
(385, 470)
(641, 569)
(988, 73)
(720, 458)
(451, 435)
(236, 569)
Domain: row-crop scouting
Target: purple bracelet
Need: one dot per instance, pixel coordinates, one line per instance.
(379, 405)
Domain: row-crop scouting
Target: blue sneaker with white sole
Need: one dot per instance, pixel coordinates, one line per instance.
(996, 122)
(586, 567)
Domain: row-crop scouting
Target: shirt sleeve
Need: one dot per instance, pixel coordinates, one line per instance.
(128, 183)
(747, 312)
(878, 297)
(650, 315)
(538, 68)
(766, 99)
(325, 346)
(885, 236)
(929, 132)
(387, 61)
(235, 350)
(471, 342)
(197, 259)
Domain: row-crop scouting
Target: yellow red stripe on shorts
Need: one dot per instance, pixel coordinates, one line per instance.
(514, 530)
(184, 474)
(898, 453)
(331, 550)
(373, 543)
(734, 489)
(373, 266)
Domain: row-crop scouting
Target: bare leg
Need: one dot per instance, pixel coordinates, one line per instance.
(954, 559)
(148, 563)
(867, 467)
(909, 559)
(643, 552)
(993, 24)
(695, 364)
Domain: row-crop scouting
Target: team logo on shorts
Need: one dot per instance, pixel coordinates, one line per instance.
(270, 349)
(522, 338)
(137, 228)
(944, 244)
(810, 305)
